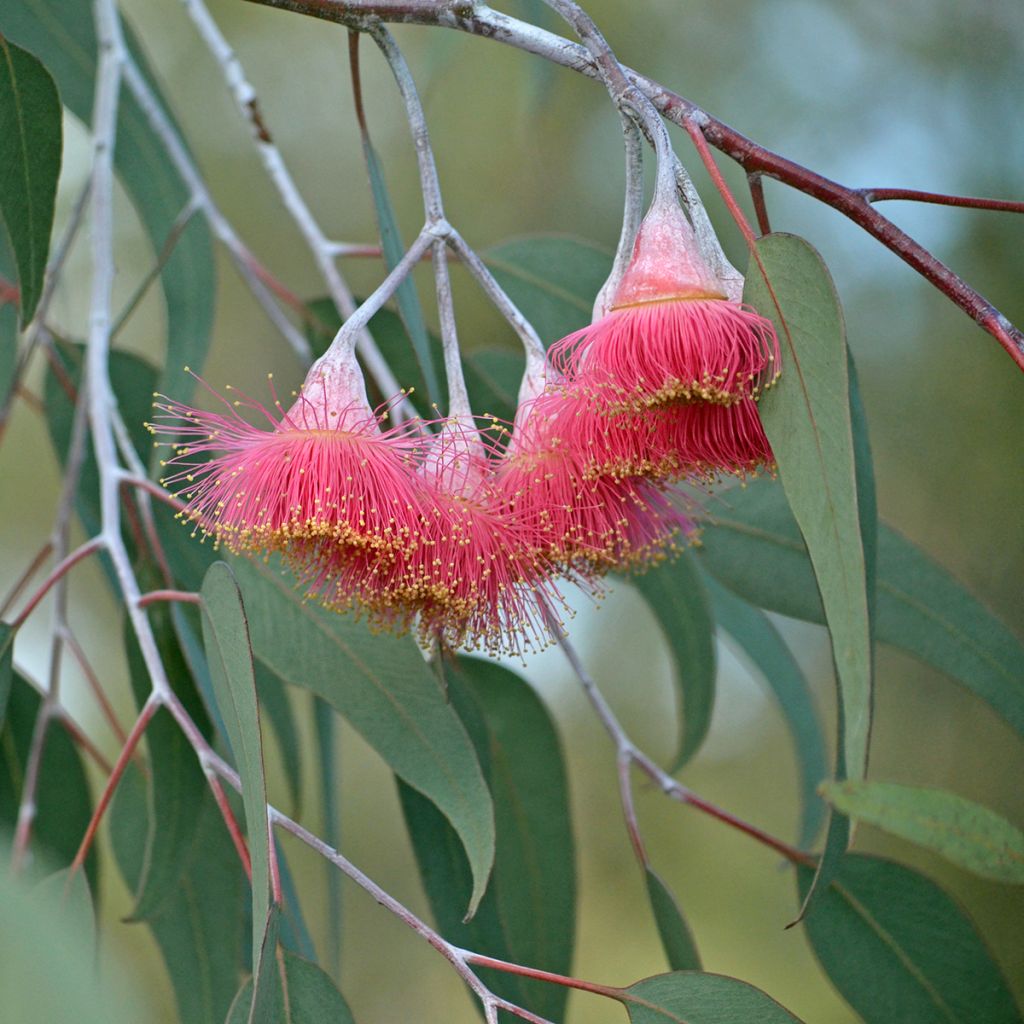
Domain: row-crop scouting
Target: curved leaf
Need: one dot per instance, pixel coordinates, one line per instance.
(229, 655)
(675, 593)
(30, 153)
(754, 547)
(40, 923)
(528, 912)
(751, 630)
(969, 835)
(61, 32)
(692, 998)
(899, 949)
(200, 930)
(382, 685)
(64, 803)
(676, 939)
(311, 996)
(807, 419)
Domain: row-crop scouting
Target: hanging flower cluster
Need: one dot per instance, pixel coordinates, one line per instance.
(463, 539)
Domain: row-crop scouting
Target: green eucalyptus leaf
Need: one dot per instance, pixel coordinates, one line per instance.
(386, 691)
(176, 783)
(965, 833)
(62, 34)
(553, 280)
(6, 668)
(528, 912)
(312, 996)
(275, 705)
(47, 956)
(676, 938)
(63, 800)
(394, 249)
(690, 998)
(229, 654)
(8, 332)
(31, 141)
(807, 419)
(899, 949)
(200, 931)
(675, 593)
(327, 752)
(754, 547)
(751, 630)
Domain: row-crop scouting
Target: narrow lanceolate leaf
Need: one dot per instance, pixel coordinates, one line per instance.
(229, 654)
(63, 800)
(969, 835)
(553, 280)
(201, 930)
(176, 782)
(899, 949)
(62, 34)
(312, 997)
(8, 329)
(528, 912)
(807, 419)
(6, 668)
(382, 685)
(48, 967)
(676, 939)
(30, 152)
(692, 998)
(268, 1000)
(751, 630)
(675, 593)
(393, 250)
(326, 728)
(754, 547)
(275, 705)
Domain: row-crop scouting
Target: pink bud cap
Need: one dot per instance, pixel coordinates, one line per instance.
(667, 263)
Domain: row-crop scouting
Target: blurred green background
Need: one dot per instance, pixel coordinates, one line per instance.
(921, 94)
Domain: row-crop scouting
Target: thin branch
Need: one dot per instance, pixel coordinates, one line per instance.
(480, 20)
(26, 577)
(760, 206)
(181, 596)
(878, 195)
(316, 241)
(56, 574)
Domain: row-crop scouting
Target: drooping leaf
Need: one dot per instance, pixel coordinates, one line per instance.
(274, 703)
(6, 668)
(294, 933)
(229, 654)
(691, 998)
(899, 949)
(176, 783)
(72, 895)
(8, 331)
(807, 419)
(552, 279)
(754, 547)
(966, 833)
(31, 141)
(200, 930)
(393, 250)
(63, 800)
(867, 499)
(676, 939)
(527, 914)
(37, 921)
(761, 642)
(268, 1002)
(383, 687)
(675, 593)
(327, 751)
(312, 996)
(62, 34)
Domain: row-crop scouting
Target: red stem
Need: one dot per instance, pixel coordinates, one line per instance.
(26, 576)
(760, 206)
(478, 960)
(149, 709)
(232, 824)
(59, 570)
(183, 596)
(877, 195)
